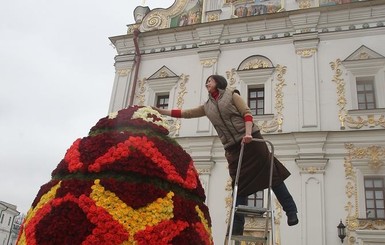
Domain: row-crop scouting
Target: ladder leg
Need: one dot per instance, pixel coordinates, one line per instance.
(269, 218)
(235, 193)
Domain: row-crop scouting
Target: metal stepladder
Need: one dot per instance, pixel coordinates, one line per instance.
(266, 213)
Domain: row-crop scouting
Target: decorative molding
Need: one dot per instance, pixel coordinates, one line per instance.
(281, 71)
(213, 16)
(364, 53)
(306, 53)
(370, 121)
(277, 222)
(183, 90)
(228, 199)
(355, 119)
(123, 72)
(373, 156)
(204, 171)
(312, 165)
(304, 4)
(369, 224)
(268, 126)
(132, 28)
(364, 62)
(158, 18)
(249, 76)
(175, 124)
(255, 62)
(255, 225)
(163, 18)
(230, 76)
(163, 72)
(204, 167)
(352, 195)
(341, 98)
(208, 62)
(141, 95)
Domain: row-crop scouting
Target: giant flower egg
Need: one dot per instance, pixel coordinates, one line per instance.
(127, 182)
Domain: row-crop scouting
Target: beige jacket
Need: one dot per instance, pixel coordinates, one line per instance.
(226, 114)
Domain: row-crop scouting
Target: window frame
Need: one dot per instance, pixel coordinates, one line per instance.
(358, 67)
(256, 99)
(363, 170)
(366, 80)
(255, 198)
(160, 96)
(374, 190)
(258, 78)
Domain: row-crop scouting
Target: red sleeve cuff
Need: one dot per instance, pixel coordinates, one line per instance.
(176, 113)
(248, 118)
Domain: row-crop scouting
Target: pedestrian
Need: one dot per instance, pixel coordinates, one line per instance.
(233, 121)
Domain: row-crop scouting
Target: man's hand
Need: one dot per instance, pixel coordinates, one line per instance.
(247, 139)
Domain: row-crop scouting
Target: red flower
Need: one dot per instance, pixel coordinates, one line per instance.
(162, 234)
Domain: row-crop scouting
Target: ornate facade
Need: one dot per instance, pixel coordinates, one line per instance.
(311, 58)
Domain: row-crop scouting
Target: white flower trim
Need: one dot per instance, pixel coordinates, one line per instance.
(113, 115)
(143, 112)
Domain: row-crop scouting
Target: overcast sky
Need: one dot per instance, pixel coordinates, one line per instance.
(56, 78)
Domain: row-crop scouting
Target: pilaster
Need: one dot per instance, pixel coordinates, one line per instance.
(208, 55)
(121, 88)
(200, 150)
(313, 200)
(306, 47)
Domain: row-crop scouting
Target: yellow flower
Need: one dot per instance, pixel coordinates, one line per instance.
(203, 219)
(133, 220)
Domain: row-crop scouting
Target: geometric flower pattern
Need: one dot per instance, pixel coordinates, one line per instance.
(125, 183)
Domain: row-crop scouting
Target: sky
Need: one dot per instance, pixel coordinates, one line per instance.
(56, 78)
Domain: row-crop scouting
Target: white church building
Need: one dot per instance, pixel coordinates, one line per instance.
(313, 73)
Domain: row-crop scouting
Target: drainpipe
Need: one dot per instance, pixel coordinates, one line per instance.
(138, 58)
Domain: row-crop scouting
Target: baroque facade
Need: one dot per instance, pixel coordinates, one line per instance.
(320, 65)
(9, 227)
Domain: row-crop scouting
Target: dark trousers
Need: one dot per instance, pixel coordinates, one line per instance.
(283, 196)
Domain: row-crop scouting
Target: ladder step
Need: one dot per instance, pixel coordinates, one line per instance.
(248, 238)
(251, 210)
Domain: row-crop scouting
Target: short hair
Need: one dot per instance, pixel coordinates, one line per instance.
(220, 80)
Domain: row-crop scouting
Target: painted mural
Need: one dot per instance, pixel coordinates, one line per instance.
(257, 8)
(192, 14)
(335, 2)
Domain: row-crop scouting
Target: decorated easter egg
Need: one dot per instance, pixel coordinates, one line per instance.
(127, 182)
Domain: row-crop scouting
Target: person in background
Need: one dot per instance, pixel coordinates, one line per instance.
(233, 121)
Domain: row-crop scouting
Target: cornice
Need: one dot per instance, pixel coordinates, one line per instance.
(312, 165)
(333, 34)
(169, 53)
(360, 18)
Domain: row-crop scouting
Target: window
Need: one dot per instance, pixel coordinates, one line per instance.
(9, 221)
(365, 73)
(2, 218)
(256, 101)
(162, 101)
(374, 197)
(365, 93)
(256, 200)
